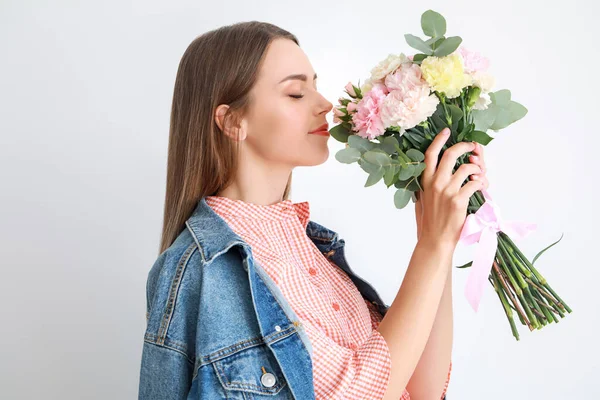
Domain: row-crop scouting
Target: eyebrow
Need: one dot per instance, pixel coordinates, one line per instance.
(301, 77)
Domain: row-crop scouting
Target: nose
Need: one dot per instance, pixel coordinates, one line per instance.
(326, 105)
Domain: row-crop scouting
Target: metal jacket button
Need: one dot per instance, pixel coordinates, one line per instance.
(268, 379)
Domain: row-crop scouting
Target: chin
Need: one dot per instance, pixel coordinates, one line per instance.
(319, 158)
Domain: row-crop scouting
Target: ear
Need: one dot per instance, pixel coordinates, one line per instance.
(235, 131)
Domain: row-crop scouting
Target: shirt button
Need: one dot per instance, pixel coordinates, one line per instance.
(268, 379)
(277, 328)
(336, 306)
(312, 271)
(353, 346)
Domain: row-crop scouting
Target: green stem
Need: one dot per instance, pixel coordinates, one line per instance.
(509, 257)
(507, 308)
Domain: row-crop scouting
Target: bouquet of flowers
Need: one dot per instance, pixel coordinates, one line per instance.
(389, 122)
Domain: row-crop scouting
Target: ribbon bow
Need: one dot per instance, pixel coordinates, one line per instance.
(482, 227)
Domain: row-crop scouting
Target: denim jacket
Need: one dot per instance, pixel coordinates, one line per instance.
(217, 325)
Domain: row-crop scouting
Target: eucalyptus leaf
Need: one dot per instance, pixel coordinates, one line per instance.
(374, 177)
(415, 155)
(388, 177)
(500, 97)
(347, 155)
(411, 184)
(406, 172)
(368, 167)
(360, 143)
(418, 43)
(484, 119)
(433, 24)
(377, 158)
(448, 46)
(401, 197)
(511, 113)
(419, 168)
(389, 144)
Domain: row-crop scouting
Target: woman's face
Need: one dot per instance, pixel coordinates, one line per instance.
(285, 106)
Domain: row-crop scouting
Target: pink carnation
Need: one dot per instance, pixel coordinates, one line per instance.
(406, 79)
(409, 109)
(367, 121)
(473, 61)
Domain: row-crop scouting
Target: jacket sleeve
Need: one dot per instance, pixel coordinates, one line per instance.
(375, 320)
(166, 367)
(165, 374)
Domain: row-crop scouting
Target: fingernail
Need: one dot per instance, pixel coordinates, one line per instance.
(475, 158)
(446, 131)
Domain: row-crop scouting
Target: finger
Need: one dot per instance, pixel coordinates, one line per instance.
(469, 189)
(478, 149)
(481, 178)
(462, 173)
(449, 158)
(476, 159)
(433, 151)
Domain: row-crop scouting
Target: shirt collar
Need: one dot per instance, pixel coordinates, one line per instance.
(213, 235)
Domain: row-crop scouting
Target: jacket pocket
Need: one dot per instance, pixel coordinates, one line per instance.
(253, 370)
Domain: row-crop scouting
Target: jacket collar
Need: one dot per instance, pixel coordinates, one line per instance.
(213, 235)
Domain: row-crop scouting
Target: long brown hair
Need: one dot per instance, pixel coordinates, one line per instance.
(218, 67)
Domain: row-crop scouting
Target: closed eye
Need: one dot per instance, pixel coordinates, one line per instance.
(297, 96)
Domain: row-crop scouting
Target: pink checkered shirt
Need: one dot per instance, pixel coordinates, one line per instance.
(351, 359)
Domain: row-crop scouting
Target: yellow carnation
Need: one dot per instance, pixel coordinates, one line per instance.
(446, 74)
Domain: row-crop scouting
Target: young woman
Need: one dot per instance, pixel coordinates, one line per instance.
(248, 297)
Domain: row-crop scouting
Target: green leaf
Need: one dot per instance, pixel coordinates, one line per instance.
(347, 155)
(414, 139)
(448, 46)
(368, 167)
(377, 158)
(389, 144)
(479, 137)
(467, 265)
(417, 58)
(401, 197)
(340, 133)
(508, 115)
(411, 184)
(406, 172)
(466, 131)
(415, 155)
(483, 119)
(433, 24)
(418, 43)
(374, 177)
(388, 177)
(500, 97)
(456, 114)
(541, 252)
(360, 143)
(500, 114)
(419, 168)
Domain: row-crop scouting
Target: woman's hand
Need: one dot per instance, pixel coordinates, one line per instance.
(441, 208)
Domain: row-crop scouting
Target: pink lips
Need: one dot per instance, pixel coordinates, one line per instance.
(322, 130)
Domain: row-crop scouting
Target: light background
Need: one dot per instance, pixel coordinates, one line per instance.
(85, 93)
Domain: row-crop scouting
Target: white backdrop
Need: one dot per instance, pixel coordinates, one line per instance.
(85, 94)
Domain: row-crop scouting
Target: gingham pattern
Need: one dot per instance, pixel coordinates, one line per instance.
(351, 359)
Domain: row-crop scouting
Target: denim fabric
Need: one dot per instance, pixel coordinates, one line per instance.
(216, 322)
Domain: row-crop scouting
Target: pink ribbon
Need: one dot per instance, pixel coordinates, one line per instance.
(482, 227)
